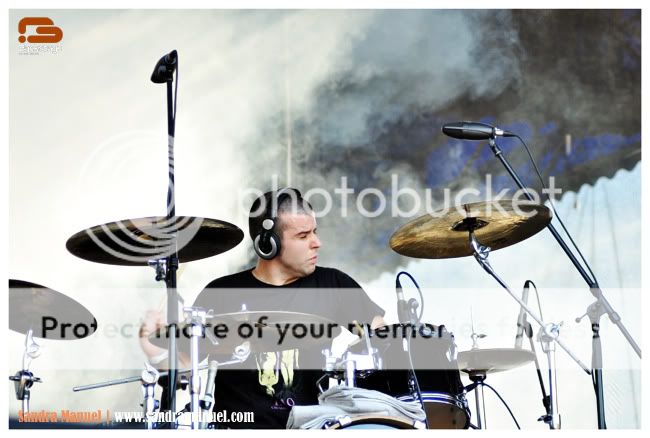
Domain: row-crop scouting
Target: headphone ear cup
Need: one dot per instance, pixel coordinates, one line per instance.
(267, 245)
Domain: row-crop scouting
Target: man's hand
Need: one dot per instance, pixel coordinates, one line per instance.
(153, 320)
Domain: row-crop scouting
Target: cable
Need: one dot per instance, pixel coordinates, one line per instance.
(408, 346)
(539, 304)
(532, 348)
(541, 180)
(415, 379)
(419, 292)
(504, 403)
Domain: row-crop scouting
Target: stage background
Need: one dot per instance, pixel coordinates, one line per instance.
(314, 96)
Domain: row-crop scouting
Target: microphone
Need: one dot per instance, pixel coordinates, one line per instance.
(473, 131)
(208, 397)
(521, 320)
(164, 69)
(402, 306)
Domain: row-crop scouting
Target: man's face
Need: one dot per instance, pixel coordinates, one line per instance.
(300, 243)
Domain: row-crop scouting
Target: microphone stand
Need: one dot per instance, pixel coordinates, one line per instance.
(25, 379)
(166, 268)
(600, 302)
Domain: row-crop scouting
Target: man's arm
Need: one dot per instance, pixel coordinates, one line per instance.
(154, 320)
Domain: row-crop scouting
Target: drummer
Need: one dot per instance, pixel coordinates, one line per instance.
(286, 277)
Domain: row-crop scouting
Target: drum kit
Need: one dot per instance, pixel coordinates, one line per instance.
(427, 375)
(433, 368)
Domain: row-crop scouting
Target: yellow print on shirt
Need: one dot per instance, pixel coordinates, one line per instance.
(270, 365)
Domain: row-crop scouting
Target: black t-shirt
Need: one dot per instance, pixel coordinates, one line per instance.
(270, 383)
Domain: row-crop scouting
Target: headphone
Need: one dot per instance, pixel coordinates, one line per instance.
(267, 243)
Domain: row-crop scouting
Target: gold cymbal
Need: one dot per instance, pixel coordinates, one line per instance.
(445, 234)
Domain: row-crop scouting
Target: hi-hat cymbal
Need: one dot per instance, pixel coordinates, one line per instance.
(50, 314)
(493, 360)
(271, 331)
(445, 234)
(133, 242)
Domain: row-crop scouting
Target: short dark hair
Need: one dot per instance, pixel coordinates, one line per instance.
(290, 200)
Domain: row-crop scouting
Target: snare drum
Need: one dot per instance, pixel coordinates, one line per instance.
(433, 351)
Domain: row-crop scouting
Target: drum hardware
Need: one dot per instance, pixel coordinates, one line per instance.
(434, 361)
(40, 312)
(475, 337)
(160, 266)
(374, 422)
(440, 235)
(548, 338)
(197, 318)
(208, 396)
(591, 281)
(150, 240)
(478, 363)
(25, 379)
(159, 242)
(527, 329)
(477, 380)
(351, 366)
(149, 378)
(549, 333)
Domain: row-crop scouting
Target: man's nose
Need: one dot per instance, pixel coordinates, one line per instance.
(315, 242)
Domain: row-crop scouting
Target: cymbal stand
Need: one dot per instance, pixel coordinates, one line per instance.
(547, 338)
(478, 377)
(595, 290)
(549, 333)
(196, 317)
(149, 378)
(25, 379)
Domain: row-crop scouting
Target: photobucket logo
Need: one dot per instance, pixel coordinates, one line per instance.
(136, 241)
(373, 202)
(129, 241)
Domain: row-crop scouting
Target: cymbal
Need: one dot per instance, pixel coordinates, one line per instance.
(271, 331)
(133, 242)
(493, 360)
(50, 314)
(445, 234)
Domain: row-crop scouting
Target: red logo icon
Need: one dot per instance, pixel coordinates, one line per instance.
(45, 30)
